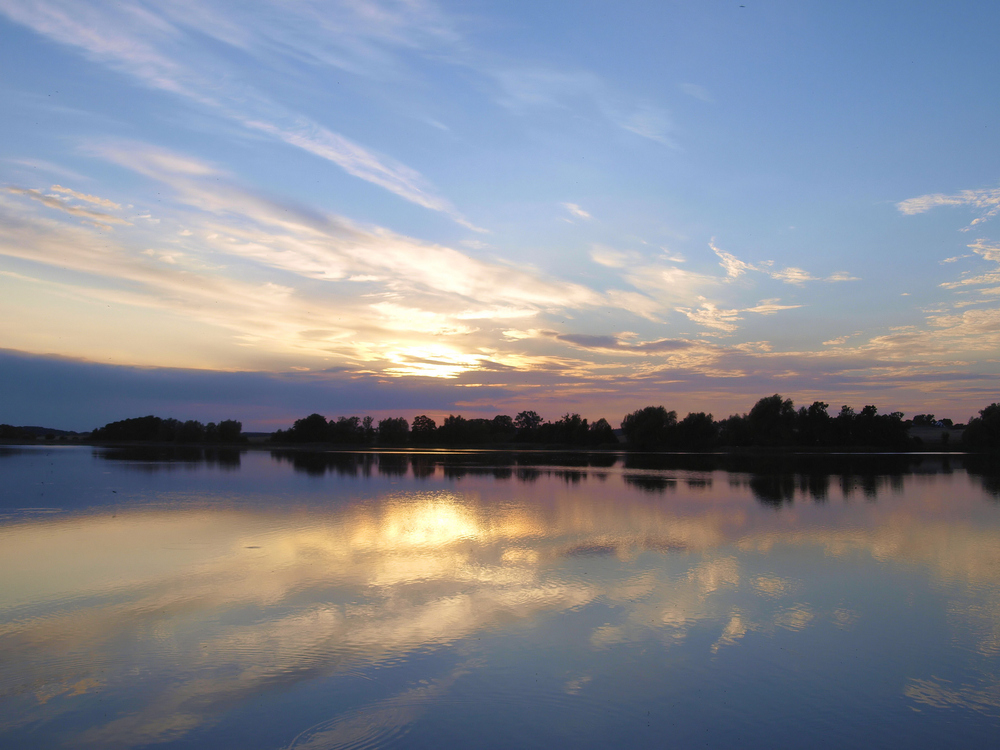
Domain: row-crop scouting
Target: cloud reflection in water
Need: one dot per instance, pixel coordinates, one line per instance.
(175, 616)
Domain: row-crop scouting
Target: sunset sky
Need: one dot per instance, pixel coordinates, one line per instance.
(262, 209)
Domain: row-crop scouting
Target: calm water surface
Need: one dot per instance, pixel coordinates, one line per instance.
(258, 600)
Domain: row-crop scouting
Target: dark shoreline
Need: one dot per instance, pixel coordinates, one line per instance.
(754, 451)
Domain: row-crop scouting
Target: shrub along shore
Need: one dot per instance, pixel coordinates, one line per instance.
(772, 424)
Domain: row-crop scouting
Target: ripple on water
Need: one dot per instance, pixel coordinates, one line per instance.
(388, 722)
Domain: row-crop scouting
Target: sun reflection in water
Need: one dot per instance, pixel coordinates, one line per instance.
(223, 604)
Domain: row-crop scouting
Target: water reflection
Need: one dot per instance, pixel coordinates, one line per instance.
(773, 479)
(171, 458)
(149, 624)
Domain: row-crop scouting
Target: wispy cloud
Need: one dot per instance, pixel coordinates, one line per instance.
(60, 204)
(769, 307)
(157, 47)
(698, 92)
(576, 211)
(362, 163)
(616, 344)
(527, 88)
(986, 199)
(385, 291)
(42, 165)
(989, 252)
(97, 201)
(793, 275)
(733, 266)
(711, 316)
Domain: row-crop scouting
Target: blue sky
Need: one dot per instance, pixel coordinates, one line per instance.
(484, 208)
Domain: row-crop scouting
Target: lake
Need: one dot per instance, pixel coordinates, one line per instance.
(255, 599)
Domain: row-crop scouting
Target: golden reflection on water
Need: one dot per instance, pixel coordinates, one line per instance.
(206, 607)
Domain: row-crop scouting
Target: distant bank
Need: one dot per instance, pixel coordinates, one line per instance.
(772, 424)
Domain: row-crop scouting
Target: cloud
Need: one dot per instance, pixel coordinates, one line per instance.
(61, 205)
(983, 248)
(733, 266)
(649, 122)
(698, 92)
(710, 316)
(102, 202)
(158, 47)
(987, 199)
(840, 340)
(769, 307)
(576, 211)
(413, 292)
(525, 89)
(792, 275)
(47, 166)
(363, 163)
(608, 256)
(987, 251)
(615, 343)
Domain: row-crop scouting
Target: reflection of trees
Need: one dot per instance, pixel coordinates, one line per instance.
(318, 464)
(985, 469)
(166, 458)
(773, 478)
(773, 489)
(650, 482)
(422, 466)
(393, 464)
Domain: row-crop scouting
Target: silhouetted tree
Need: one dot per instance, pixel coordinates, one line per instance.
(983, 432)
(734, 431)
(649, 428)
(844, 426)
(527, 423)
(393, 431)
(191, 432)
(814, 425)
(423, 429)
(368, 429)
(10, 432)
(155, 429)
(772, 421)
(503, 430)
(602, 433)
(453, 431)
(311, 429)
(697, 432)
(345, 431)
(571, 429)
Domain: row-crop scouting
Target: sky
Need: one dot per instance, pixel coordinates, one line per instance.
(258, 210)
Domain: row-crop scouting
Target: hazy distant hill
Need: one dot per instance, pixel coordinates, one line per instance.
(12, 431)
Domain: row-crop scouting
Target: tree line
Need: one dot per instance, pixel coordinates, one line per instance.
(455, 430)
(156, 430)
(773, 422)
